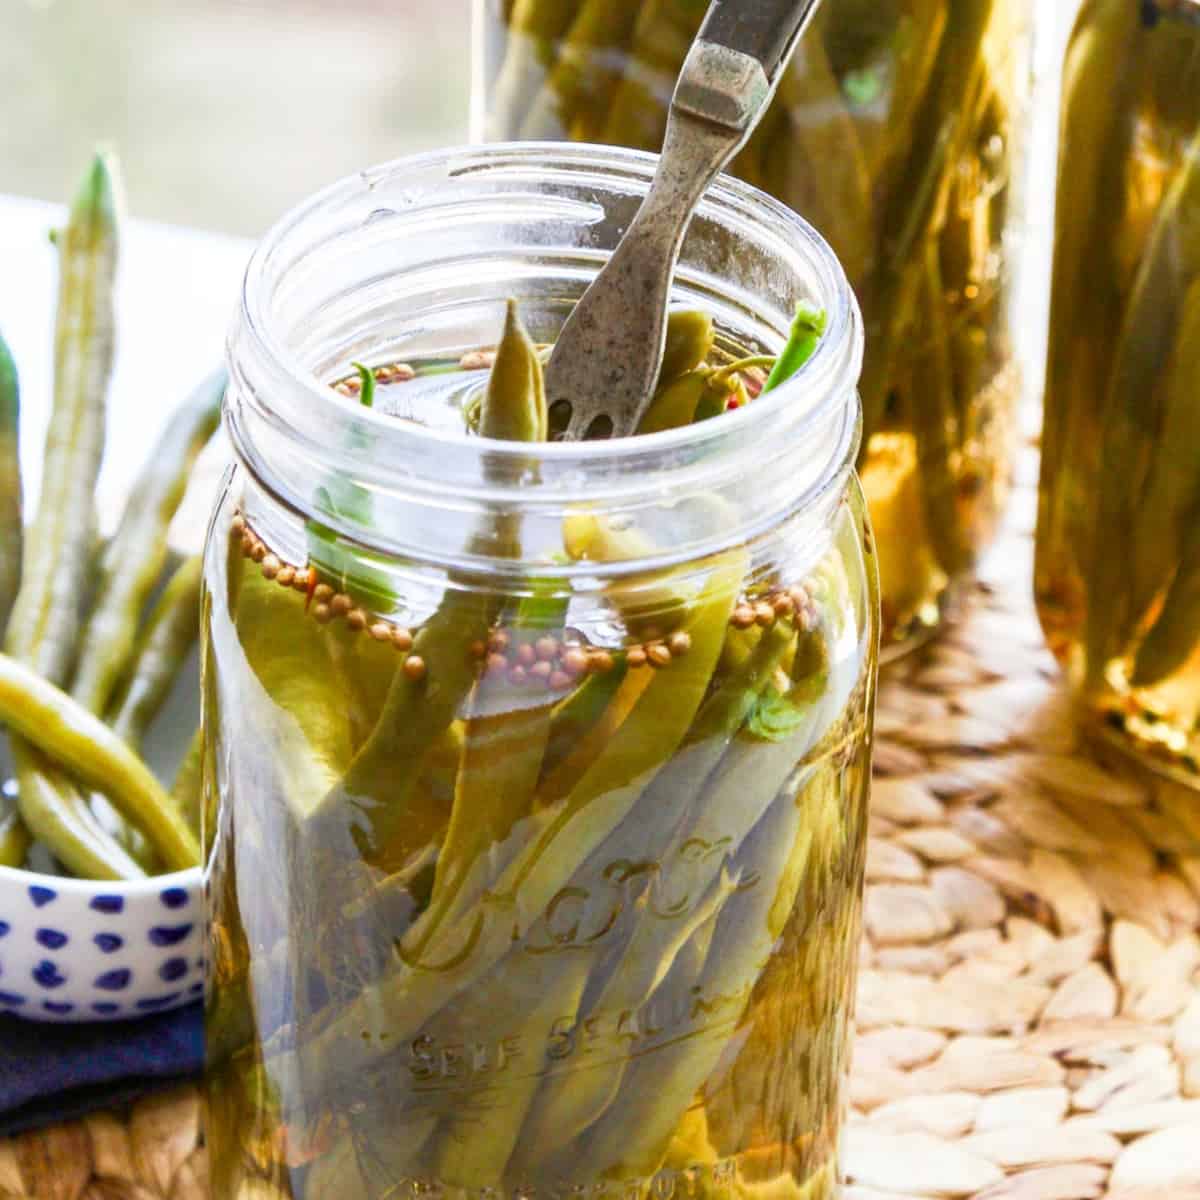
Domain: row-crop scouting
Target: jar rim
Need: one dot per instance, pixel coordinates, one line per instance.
(295, 403)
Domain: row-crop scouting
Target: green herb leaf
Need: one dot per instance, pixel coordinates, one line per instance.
(776, 716)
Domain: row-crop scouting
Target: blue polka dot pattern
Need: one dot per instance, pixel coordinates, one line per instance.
(47, 975)
(151, 1003)
(169, 935)
(173, 969)
(114, 981)
(95, 952)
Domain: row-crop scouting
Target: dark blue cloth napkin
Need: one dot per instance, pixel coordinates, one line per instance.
(57, 1072)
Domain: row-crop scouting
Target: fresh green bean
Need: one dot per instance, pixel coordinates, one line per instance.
(14, 840)
(133, 560)
(59, 816)
(68, 733)
(58, 553)
(11, 526)
(163, 646)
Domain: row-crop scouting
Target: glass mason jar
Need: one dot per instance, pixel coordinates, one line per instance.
(1118, 541)
(899, 131)
(478, 928)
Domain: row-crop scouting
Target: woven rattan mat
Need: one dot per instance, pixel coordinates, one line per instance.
(1029, 1020)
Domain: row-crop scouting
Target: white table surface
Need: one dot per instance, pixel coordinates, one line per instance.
(176, 295)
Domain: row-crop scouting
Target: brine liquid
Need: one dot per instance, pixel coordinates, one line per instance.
(591, 929)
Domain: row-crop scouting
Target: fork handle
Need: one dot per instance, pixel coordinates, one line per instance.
(738, 58)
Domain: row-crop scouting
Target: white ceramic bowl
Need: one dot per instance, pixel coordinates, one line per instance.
(74, 950)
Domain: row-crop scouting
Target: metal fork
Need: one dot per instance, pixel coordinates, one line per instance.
(608, 355)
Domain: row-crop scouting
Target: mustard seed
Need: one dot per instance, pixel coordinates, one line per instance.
(679, 643)
(658, 655)
(743, 617)
(575, 662)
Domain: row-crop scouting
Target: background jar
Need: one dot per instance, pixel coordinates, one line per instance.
(1118, 539)
(645, 970)
(899, 131)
